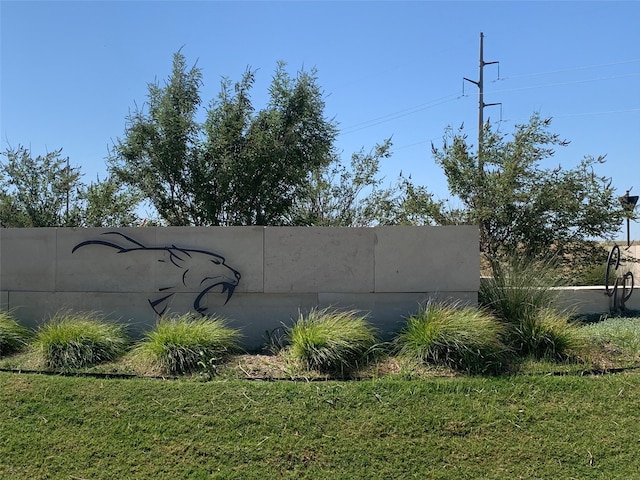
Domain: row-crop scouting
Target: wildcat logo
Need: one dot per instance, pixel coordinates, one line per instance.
(187, 270)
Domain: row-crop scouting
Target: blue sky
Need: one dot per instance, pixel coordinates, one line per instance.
(71, 71)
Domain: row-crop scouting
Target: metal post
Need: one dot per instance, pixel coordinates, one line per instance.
(628, 205)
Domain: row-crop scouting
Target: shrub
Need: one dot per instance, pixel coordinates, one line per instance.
(330, 341)
(13, 336)
(519, 289)
(591, 275)
(186, 343)
(77, 340)
(523, 295)
(463, 338)
(548, 334)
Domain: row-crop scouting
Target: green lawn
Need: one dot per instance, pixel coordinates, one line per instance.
(548, 421)
(520, 427)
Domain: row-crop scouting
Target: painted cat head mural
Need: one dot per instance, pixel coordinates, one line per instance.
(186, 271)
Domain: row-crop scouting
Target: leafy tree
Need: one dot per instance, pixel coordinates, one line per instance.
(46, 192)
(161, 146)
(523, 208)
(10, 213)
(240, 167)
(264, 158)
(404, 203)
(338, 195)
(38, 192)
(108, 204)
(354, 196)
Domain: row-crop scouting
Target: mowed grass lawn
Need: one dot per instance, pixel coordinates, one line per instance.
(511, 427)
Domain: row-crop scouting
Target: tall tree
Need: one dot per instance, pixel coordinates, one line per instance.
(240, 167)
(264, 158)
(522, 207)
(161, 146)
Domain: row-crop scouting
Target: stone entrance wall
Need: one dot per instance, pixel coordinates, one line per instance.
(257, 277)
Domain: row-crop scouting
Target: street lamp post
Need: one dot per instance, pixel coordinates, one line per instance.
(628, 205)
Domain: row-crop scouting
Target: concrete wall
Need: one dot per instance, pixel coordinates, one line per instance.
(593, 300)
(257, 277)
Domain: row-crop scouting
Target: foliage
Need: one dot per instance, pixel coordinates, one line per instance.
(330, 340)
(461, 337)
(13, 336)
(519, 289)
(403, 203)
(522, 207)
(354, 196)
(187, 343)
(591, 273)
(620, 337)
(46, 192)
(265, 157)
(523, 295)
(240, 167)
(158, 151)
(548, 334)
(77, 340)
(274, 341)
(274, 166)
(334, 196)
(109, 204)
(38, 192)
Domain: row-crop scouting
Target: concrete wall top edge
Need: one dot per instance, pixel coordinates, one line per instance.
(98, 230)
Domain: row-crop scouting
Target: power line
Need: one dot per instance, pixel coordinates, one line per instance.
(439, 101)
(474, 129)
(567, 83)
(524, 75)
(448, 98)
(398, 114)
(610, 112)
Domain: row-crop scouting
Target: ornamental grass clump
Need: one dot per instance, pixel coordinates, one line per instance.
(13, 336)
(460, 337)
(523, 296)
(78, 340)
(188, 343)
(548, 334)
(331, 341)
(519, 289)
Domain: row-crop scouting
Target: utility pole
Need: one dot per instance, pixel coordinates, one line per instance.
(68, 173)
(483, 215)
(481, 104)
